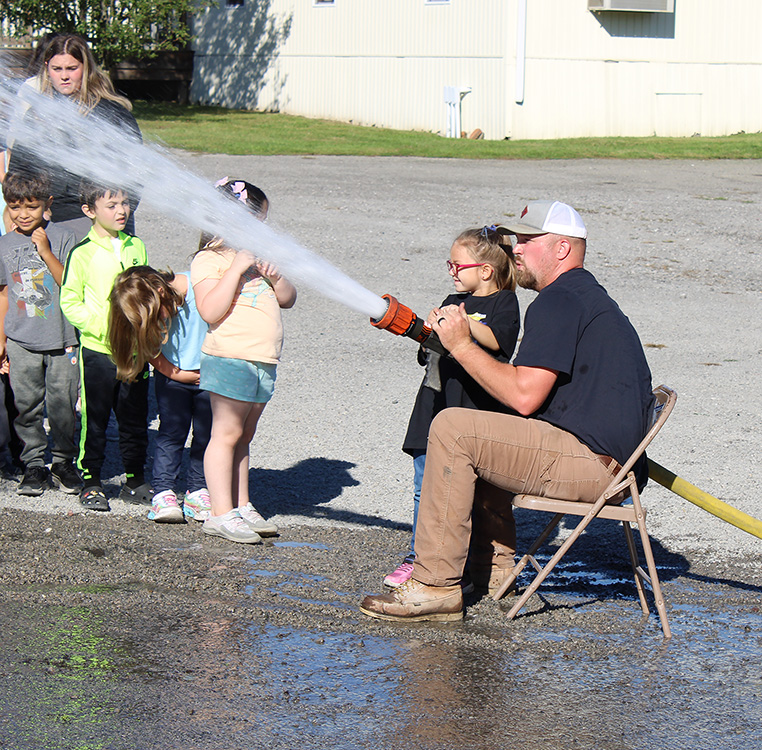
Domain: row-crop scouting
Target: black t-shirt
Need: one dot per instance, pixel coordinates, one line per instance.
(603, 391)
(65, 185)
(499, 311)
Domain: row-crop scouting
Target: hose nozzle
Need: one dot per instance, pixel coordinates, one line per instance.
(402, 321)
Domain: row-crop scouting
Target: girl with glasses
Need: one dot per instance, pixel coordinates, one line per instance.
(483, 272)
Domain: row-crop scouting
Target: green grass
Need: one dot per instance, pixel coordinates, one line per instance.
(224, 131)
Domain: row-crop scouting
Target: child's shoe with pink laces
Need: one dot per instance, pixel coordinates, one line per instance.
(165, 508)
(197, 505)
(403, 573)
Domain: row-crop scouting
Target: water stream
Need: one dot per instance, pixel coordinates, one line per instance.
(55, 131)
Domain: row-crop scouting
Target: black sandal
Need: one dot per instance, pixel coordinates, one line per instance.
(140, 495)
(94, 498)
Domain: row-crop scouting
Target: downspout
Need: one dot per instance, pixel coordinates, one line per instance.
(521, 50)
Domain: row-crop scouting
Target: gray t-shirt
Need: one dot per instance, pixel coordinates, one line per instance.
(34, 319)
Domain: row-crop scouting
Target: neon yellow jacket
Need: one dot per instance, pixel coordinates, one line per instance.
(89, 274)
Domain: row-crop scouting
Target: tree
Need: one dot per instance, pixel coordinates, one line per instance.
(116, 29)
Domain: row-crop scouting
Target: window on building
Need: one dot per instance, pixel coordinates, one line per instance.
(234, 3)
(436, 2)
(318, 3)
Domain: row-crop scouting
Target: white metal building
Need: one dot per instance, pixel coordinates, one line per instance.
(524, 68)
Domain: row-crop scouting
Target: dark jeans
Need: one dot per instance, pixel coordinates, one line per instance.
(102, 393)
(180, 407)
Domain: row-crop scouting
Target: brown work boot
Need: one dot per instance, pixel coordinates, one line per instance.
(489, 580)
(413, 601)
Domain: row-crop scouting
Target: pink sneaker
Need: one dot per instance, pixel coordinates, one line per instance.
(398, 577)
(197, 504)
(165, 508)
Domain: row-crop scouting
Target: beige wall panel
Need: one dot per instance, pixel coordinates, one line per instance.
(637, 99)
(395, 93)
(394, 27)
(386, 62)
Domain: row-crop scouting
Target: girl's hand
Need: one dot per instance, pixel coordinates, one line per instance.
(242, 262)
(189, 377)
(438, 312)
(268, 270)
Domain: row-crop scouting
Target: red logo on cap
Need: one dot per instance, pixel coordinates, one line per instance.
(524, 212)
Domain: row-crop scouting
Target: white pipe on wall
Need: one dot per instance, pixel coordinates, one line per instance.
(521, 49)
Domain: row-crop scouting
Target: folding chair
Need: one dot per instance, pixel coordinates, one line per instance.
(627, 514)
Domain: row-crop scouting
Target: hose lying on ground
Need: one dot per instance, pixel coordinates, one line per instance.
(705, 501)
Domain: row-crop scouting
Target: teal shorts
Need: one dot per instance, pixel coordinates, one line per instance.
(238, 379)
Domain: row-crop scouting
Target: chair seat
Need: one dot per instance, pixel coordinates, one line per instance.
(623, 484)
(568, 507)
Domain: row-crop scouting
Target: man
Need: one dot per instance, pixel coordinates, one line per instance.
(582, 385)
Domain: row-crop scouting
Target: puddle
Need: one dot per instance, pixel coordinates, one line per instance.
(347, 691)
(311, 545)
(292, 664)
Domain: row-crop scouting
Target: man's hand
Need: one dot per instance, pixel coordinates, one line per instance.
(451, 324)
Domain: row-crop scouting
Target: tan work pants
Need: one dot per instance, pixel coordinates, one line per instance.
(475, 462)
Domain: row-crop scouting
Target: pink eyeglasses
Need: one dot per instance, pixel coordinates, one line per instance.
(456, 268)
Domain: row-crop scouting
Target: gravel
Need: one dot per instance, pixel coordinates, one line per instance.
(675, 243)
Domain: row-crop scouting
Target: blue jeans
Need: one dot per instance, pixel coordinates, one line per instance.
(419, 462)
(180, 406)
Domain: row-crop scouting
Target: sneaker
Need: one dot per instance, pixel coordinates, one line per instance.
(256, 522)
(414, 601)
(66, 477)
(165, 508)
(232, 527)
(35, 481)
(403, 573)
(197, 505)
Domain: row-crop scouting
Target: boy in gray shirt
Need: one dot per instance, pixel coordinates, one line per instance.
(35, 338)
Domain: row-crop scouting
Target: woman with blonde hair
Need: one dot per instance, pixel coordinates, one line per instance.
(69, 71)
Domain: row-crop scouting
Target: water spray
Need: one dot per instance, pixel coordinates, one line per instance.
(402, 321)
(54, 130)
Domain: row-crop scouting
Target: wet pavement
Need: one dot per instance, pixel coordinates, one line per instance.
(122, 634)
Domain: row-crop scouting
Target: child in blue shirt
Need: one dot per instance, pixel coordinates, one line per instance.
(154, 319)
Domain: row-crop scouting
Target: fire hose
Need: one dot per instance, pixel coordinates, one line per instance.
(704, 501)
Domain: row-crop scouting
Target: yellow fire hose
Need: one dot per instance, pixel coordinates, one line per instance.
(705, 501)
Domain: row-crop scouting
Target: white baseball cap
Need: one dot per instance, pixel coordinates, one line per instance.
(543, 217)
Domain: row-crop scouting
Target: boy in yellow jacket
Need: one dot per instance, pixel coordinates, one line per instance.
(89, 274)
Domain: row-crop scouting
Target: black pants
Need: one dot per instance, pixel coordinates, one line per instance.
(102, 393)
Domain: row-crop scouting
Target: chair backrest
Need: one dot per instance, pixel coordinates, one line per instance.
(664, 401)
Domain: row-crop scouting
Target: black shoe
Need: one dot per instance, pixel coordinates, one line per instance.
(94, 498)
(140, 495)
(66, 477)
(35, 481)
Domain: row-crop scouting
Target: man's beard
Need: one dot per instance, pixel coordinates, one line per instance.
(526, 279)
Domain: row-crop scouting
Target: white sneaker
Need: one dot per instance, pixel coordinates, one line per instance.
(232, 527)
(197, 505)
(255, 521)
(165, 508)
